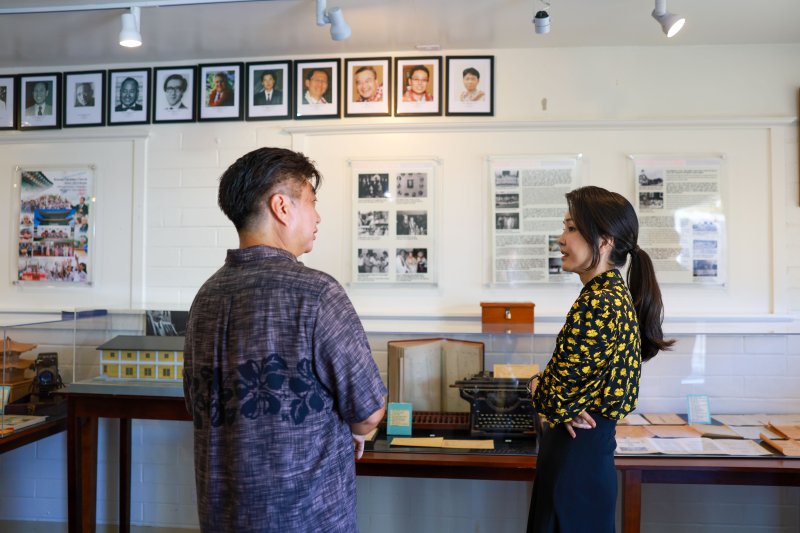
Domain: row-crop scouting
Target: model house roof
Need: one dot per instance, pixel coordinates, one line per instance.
(144, 343)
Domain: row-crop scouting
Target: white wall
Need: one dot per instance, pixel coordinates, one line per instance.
(605, 103)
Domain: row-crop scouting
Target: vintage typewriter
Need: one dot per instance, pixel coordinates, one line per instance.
(499, 407)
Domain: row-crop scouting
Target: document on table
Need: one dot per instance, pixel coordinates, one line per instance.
(743, 420)
(741, 447)
(754, 432)
(665, 419)
(689, 446)
(628, 446)
(633, 419)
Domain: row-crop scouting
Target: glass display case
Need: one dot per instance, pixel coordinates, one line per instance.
(39, 352)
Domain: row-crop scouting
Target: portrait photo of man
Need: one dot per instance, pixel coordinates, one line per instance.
(317, 89)
(269, 93)
(269, 90)
(418, 85)
(221, 93)
(174, 88)
(128, 96)
(84, 94)
(40, 102)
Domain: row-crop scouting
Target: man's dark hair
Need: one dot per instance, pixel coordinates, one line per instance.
(310, 72)
(256, 176)
(471, 70)
(184, 83)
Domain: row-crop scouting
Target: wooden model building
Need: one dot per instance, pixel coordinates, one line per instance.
(12, 372)
(134, 357)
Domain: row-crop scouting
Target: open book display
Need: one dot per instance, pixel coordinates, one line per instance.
(421, 372)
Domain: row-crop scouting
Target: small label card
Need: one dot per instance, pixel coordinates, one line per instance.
(398, 420)
(699, 410)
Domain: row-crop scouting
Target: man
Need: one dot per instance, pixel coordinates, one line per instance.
(128, 96)
(418, 85)
(316, 84)
(174, 88)
(367, 86)
(471, 77)
(40, 94)
(84, 95)
(278, 373)
(270, 95)
(221, 93)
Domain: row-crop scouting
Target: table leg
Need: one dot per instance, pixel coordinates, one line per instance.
(82, 471)
(631, 501)
(124, 475)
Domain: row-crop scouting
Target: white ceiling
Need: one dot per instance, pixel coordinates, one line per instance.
(287, 28)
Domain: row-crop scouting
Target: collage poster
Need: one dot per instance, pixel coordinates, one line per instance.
(527, 214)
(681, 218)
(54, 226)
(394, 222)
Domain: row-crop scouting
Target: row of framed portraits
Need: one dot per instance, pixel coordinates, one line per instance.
(274, 90)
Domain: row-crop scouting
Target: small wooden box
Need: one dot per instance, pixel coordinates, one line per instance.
(507, 317)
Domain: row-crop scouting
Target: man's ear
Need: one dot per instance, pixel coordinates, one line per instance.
(279, 205)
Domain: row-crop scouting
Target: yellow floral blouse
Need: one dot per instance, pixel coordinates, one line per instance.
(597, 361)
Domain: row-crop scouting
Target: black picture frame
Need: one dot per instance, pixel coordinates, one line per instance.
(279, 105)
(37, 112)
(330, 104)
(174, 94)
(8, 103)
(128, 104)
(368, 87)
(468, 100)
(430, 103)
(225, 102)
(83, 99)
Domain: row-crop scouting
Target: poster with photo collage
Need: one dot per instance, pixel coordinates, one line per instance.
(54, 237)
(527, 212)
(394, 222)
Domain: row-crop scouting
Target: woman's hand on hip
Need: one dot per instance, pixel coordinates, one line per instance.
(581, 421)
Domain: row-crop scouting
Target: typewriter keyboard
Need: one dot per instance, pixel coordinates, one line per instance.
(506, 421)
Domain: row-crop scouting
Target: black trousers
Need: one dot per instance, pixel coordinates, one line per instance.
(575, 489)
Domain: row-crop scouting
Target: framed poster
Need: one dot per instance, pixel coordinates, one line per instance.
(54, 239)
(470, 85)
(395, 216)
(528, 203)
(83, 99)
(8, 93)
(269, 90)
(317, 89)
(368, 89)
(682, 223)
(128, 96)
(173, 94)
(40, 102)
(220, 91)
(418, 86)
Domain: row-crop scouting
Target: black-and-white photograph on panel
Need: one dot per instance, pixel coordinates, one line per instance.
(528, 204)
(394, 215)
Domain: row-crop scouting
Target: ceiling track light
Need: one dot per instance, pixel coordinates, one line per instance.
(129, 35)
(670, 23)
(339, 28)
(541, 19)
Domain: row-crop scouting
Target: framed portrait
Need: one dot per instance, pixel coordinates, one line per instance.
(470, 85)
(83, 98)
(419, 86)
(7, 101)
(220, 91)
(128, 96)
(173, 94)
(368, 89)
(317, 89)
(269, 90)
(39, 107)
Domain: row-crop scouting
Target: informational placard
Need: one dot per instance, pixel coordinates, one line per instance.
(527, 213)
(394, 222)
(681, 217)
(54, 221)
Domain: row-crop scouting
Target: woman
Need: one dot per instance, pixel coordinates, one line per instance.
(592, 379)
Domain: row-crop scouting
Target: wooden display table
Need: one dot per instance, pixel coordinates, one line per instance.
(87, 402)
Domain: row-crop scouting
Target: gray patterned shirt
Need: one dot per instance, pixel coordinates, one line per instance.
(277, 366)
